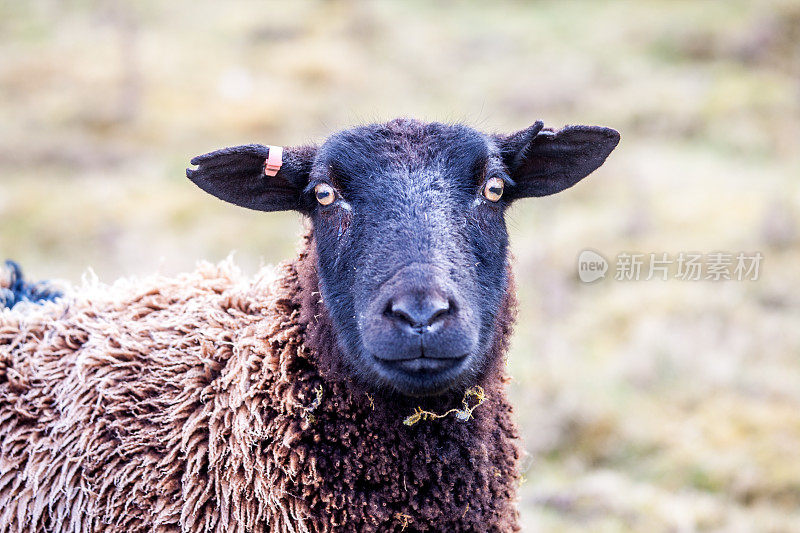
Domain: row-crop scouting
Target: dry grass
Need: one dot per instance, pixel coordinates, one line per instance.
(645, 406)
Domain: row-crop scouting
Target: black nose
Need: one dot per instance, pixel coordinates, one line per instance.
(418, 311)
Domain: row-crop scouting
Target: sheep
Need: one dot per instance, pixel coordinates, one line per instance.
(359, 387)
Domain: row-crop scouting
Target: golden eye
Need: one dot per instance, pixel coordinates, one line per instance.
(324, 193)
(493, 189)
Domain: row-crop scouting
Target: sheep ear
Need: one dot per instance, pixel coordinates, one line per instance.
(238, 175)
(542, 161)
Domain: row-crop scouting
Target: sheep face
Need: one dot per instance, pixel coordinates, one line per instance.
(408, 221)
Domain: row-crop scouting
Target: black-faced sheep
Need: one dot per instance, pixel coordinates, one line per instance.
(362, 389)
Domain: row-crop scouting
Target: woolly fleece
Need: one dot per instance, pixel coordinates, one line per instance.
(212, 402)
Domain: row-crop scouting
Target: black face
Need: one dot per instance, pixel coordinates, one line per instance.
(412, 255)
(411, 239)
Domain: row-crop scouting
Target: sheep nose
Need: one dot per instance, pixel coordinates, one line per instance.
(418, 312)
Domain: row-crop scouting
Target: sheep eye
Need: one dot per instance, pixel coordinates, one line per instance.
(493, 189)
(325, 194)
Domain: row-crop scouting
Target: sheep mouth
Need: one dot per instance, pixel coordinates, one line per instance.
(421, 376)
(422, 365)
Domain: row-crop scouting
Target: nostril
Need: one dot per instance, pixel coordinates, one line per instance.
(400, 313)
(440, 312)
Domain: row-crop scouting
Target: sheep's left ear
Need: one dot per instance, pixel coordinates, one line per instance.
(542, 161)
(264, 178)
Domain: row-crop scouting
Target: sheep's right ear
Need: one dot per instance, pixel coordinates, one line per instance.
(238, 175)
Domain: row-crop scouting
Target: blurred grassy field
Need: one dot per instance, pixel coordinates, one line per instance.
(645, 406)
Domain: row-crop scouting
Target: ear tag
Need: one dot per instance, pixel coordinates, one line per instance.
(274, 161)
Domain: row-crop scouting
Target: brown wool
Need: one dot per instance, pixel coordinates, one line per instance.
(211, 402)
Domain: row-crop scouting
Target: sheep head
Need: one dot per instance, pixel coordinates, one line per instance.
(408, 223)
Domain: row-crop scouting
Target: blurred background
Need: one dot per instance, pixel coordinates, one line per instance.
(644, 405)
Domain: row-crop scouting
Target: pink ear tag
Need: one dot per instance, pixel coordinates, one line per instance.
(274, 161)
